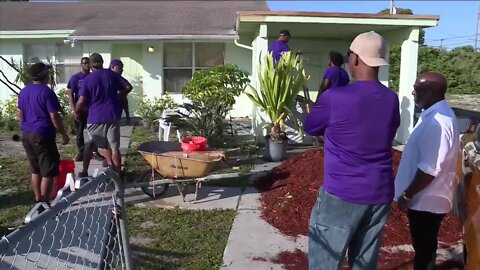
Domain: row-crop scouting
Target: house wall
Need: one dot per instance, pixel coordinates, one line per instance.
(143, 69)
(315, 56)
(153, 73)
(243, 59)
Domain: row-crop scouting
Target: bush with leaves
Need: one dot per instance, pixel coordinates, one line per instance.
(150, 110)
(68, 119)
(8, 112)
(213, 92)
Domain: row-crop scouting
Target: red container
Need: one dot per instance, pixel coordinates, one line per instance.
(65, 167)
(194, 144)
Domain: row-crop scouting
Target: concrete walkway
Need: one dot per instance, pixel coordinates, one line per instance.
(125, 135)
(253, 243)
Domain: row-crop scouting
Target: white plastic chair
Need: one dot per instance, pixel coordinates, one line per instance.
(164, 128)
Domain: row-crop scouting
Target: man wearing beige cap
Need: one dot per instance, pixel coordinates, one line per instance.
(358, 122)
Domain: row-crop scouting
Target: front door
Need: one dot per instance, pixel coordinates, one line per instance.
(131, 56)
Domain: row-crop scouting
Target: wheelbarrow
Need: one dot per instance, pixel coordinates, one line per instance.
(172, 166)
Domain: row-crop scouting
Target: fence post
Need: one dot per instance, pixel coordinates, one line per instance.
(122, 217)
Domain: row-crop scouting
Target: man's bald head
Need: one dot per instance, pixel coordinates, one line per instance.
(429, 88)
(436, 81)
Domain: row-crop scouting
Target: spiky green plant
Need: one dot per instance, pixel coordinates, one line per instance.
(279, 87)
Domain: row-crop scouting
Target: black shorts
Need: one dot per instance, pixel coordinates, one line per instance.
(42, 154)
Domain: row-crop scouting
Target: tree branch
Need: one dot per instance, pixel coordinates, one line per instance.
(10, 64)
(5, 77)
(7, 85)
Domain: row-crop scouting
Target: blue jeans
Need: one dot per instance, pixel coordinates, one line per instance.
(336, 225)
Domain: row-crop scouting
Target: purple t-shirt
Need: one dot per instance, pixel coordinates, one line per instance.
(37, 101)
(337, 76)
(277, 48)
(75, 83)
(100, 91)
(359, 122)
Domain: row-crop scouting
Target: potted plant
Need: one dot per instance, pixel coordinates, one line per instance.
(147, 111)
(279, 87)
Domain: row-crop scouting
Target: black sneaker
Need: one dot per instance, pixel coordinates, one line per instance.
(82, 174)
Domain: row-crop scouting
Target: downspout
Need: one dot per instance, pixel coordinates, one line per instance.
(242, 45)
(238, 37)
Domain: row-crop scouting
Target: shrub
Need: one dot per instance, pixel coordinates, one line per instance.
(68, 119)
(149, 110)
(8, 113)
(212, 92)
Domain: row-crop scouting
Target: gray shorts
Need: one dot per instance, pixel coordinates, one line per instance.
(105, 135)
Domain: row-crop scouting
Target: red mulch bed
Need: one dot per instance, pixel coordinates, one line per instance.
(290, 190)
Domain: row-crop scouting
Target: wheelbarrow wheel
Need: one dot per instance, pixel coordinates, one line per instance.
(153, 191)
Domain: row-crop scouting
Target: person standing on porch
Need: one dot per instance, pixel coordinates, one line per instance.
(117, 66)
(38, 112)
(280, 45)
(100, 92)
(359, 122)
(426, 178)
(335, 75)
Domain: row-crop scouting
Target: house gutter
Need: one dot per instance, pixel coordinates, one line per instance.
(35, 34)
(151, 37)
(237, 23)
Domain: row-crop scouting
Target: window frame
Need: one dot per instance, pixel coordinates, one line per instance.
(193, 68)
(52, 58)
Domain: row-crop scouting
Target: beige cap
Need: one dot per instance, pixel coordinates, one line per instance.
(370, 47)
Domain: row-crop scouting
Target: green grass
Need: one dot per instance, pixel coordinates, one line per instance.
(178, 239)
(67, 151)
(17, 199)
(15, 182)
(135, 164)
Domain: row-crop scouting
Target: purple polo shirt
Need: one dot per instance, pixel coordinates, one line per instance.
(337, 76)
(359, 122)
(100, 90)
(37, 101)
(277, 48)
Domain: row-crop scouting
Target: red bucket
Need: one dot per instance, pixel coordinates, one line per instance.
(65, 167)
(194, 144)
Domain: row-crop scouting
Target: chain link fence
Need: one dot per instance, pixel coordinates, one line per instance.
(86, 229)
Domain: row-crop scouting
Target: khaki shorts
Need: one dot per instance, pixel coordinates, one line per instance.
(105, 135)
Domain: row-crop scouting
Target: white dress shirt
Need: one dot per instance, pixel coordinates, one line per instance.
(433, 148)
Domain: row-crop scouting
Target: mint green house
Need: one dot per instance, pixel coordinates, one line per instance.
(162, 43)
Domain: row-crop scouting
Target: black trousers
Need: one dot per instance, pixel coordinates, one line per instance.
(424, 227)
(80, 125)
